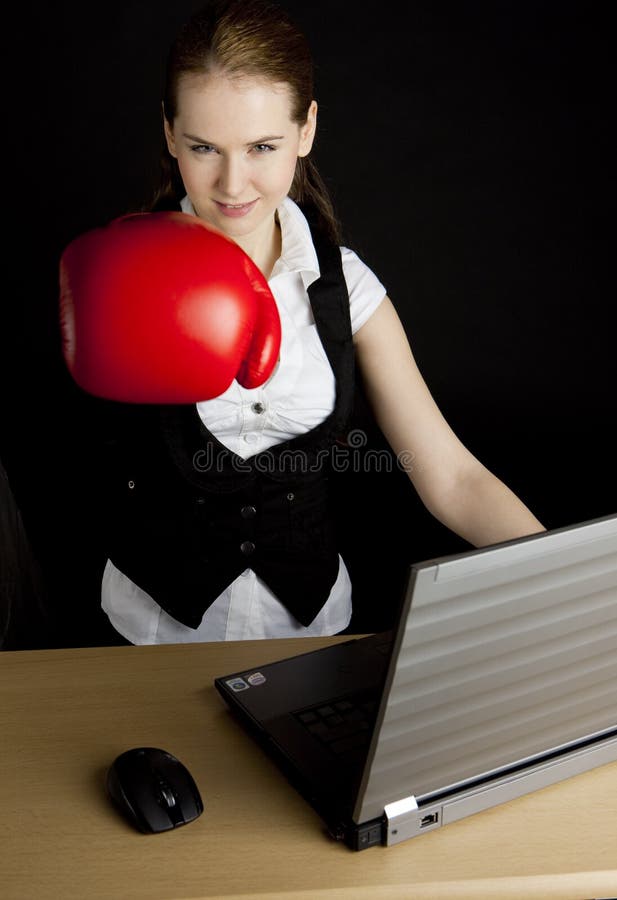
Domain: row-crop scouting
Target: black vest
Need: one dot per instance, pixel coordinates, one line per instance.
(185, 515)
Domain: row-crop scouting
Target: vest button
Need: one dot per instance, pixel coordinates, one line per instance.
(248, 512)
(247, 547)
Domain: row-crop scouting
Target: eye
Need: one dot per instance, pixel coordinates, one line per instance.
(264, 148)
(203, 148)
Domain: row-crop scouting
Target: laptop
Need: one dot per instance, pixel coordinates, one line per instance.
(499, 679)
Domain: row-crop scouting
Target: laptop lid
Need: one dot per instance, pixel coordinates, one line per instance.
(504, 656)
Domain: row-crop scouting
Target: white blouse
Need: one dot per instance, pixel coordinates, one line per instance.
(297, 397)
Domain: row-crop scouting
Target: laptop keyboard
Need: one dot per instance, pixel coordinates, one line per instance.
(343, 725)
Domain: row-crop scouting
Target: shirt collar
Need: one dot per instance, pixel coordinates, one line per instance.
(297, 253)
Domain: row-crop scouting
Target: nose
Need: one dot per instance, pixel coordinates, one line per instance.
(232, 178)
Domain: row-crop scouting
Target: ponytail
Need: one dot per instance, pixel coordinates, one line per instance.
(309, 189)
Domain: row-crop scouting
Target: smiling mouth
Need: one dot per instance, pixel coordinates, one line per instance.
(235, 205)
(235, 210)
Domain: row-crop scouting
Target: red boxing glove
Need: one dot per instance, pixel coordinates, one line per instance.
(160, 308)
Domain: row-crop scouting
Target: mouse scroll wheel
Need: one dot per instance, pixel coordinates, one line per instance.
(166, 795)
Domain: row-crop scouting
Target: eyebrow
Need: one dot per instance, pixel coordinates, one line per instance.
(262, 140)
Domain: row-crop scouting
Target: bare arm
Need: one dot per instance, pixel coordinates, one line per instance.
(453, 485)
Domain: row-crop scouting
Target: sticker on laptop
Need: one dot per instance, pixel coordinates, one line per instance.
(256, 678)
(237, 684)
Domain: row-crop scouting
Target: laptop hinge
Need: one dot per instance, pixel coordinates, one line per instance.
(404, 820)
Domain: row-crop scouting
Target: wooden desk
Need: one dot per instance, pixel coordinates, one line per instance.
(66, 714)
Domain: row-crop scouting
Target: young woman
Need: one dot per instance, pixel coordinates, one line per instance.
(221, 550)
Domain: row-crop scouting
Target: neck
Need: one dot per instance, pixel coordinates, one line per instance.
(264, 247)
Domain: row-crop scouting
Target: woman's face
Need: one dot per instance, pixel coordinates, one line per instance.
(236, 147)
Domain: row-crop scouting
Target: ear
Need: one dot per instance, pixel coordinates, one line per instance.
(169, 134)
(307, 131)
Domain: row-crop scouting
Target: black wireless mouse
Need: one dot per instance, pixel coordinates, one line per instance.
(153, 790)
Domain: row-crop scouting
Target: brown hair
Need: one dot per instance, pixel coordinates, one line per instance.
(246, 37)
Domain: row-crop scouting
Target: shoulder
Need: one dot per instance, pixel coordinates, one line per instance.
(354, 268)
(365, 289)
(363, 286)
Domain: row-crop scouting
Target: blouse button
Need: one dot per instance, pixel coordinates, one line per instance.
(258, 408)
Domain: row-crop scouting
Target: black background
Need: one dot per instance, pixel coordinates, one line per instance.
(467, 147)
